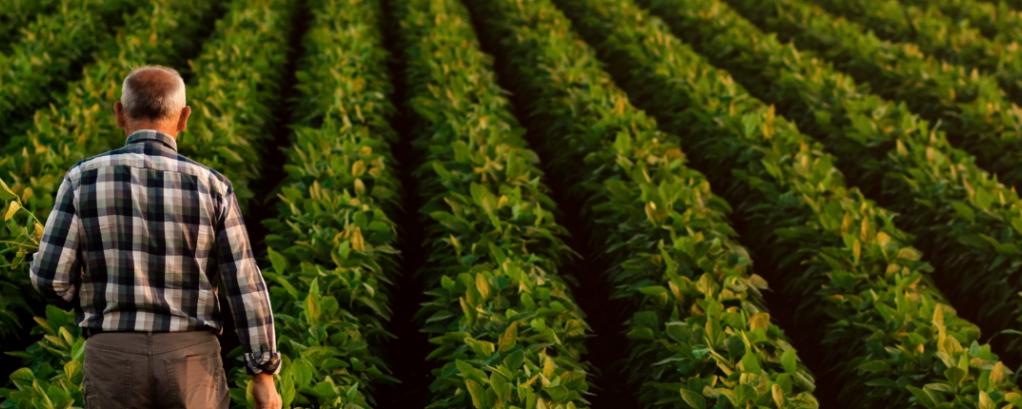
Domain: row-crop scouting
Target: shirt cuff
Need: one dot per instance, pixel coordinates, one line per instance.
(263, 362)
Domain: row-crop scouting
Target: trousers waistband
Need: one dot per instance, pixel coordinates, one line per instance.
(89, 332)
(150, 343)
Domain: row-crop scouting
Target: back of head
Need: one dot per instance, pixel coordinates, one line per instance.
(153, 93)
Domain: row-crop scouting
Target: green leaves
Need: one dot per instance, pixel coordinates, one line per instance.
(961, 214)
(978, 35)
(693, 399)
(23, 231)
(505, 328)
(698, 335)
(278, 261)
(509, 338)
(970, 105)
(857, 299)
(52, 47)
(332, 242)
(965, 224)
(12, 209)
(15, 15)
(225, 134)
(54, 378)
(788, 361)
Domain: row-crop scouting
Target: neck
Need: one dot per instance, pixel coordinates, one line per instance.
(162, 128)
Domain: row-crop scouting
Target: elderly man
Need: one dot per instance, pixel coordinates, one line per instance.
(141, 238)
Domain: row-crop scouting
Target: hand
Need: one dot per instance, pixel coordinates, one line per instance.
(264, 392)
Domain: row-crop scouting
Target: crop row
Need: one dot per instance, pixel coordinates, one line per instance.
(78, 125)
(884, 149)
(15, 15)
(54, 46)
(251, 35)
(506, 331)
(332, 244)
(972, 108)
(935, 34)
(863, 294)
(997, 20)
(238, 78)
(698, 325)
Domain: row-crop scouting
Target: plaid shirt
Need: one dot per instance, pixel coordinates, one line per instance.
(143, 236)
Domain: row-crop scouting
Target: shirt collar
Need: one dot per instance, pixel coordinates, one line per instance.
(143, 135)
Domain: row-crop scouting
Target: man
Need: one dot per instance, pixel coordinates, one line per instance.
(142, 237)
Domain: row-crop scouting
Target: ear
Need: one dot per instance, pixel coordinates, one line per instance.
(182, 121)
(119, 112)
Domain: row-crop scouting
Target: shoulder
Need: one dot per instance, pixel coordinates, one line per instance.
(76, 171)
(164, 160)
(217, 181)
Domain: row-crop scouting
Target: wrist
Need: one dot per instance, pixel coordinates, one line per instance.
(262, 378)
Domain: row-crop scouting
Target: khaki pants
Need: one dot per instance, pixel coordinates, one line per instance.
(161, 370)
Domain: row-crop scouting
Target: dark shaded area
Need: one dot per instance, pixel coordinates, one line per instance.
(17, 343)
(406, 353)
(804, 336)
(607, 347)
(264, 203)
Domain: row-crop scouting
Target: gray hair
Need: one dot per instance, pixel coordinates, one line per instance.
(153, 92)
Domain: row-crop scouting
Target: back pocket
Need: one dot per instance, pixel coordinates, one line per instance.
(194, 381)
(108, 378)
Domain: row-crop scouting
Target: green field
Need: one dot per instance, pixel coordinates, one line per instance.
(565, 203)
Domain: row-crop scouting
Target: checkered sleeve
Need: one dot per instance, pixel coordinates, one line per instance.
(56, 267)
(245, 289)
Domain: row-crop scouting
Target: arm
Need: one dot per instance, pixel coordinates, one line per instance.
(246, 292)
(56, 266)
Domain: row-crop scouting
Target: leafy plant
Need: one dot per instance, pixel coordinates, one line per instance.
(935, 33)
(52, 48)
(15, 15)
(972, 109)
(998, 20)
(238, 78)
(506, 330)
(863, 294)
(23, 231)
(924, 25)
(54, 375)
(887, 150)
(698, 323)
(332, 245)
